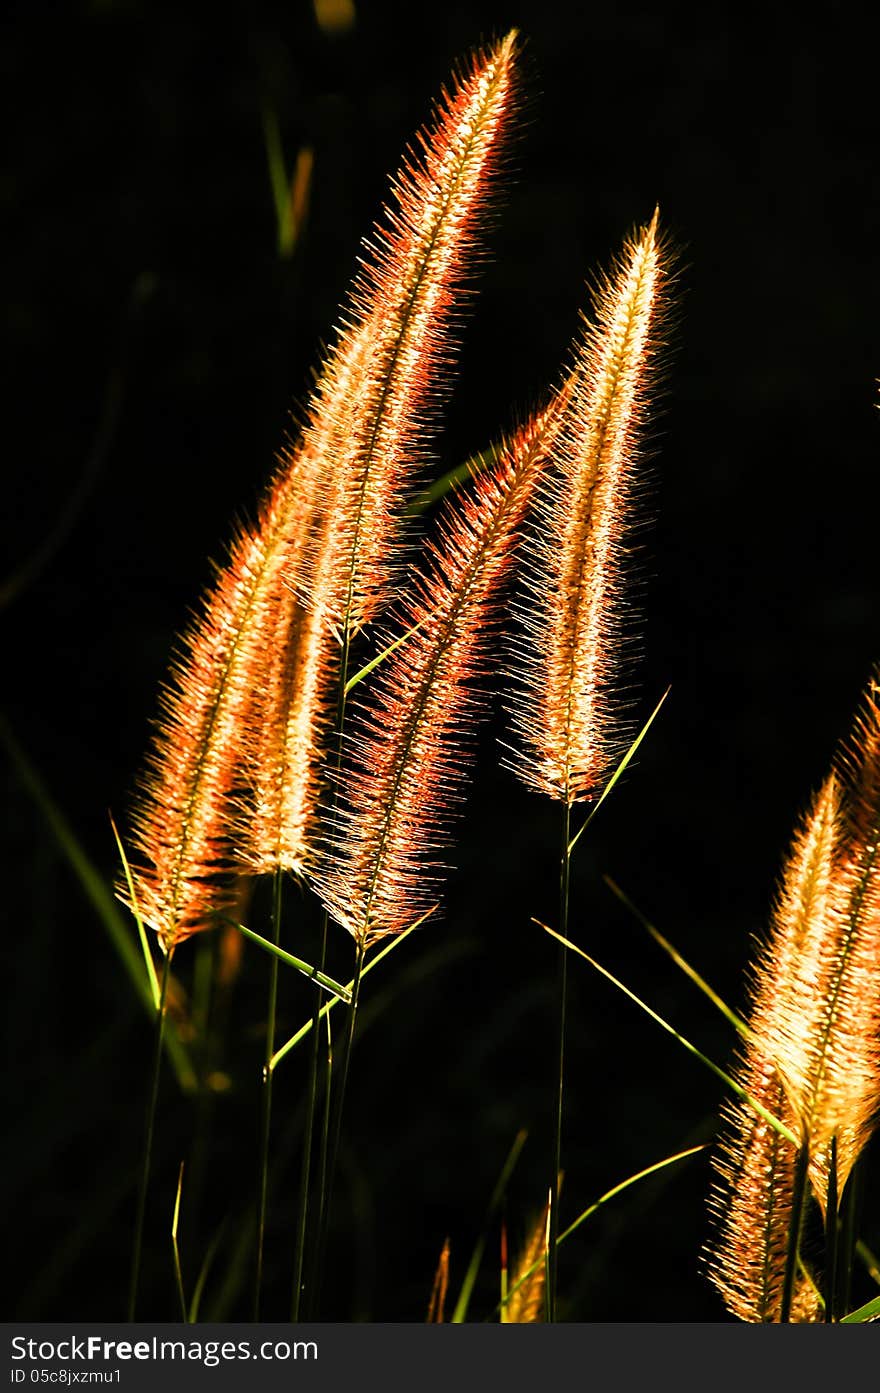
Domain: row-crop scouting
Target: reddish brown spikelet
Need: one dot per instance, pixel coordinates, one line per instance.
(437, 1305)
(407, 758)
(404, 306)
(566, 708)
(525, 1305)
(185, 865)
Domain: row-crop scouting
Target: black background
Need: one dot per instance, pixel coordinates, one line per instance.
(157, 343)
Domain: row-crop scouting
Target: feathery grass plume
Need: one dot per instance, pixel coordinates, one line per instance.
(840, 1078)
(564, 702)
(406, 300)
(823, 1031)
(525, 1306)
(405, 771)
(245, 705)
(753, 1199)
(751, 1204)
(185, 811)
(814, 1052)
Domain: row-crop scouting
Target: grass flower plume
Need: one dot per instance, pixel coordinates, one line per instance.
(234, 773)
(406, 770)
(813, 1057)
(565, 698)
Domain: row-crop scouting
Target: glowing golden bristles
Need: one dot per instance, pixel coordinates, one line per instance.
(234, 773)
(404, 307)
(813, 1057)
(407, 767)
(566, 705)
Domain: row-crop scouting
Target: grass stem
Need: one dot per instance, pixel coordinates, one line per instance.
(308, 1139)
(266, 1099)
(137, 1246)
(333, 1129)
(831, 1237)
(562, 992)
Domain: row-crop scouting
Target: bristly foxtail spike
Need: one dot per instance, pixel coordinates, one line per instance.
(814, 1047)
(406, 301)
(406, 770)
(214, 758)
(753, 1196)
(751, 1204)
(850, 1071)
(566, 702)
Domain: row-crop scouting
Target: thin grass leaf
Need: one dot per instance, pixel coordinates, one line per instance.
(314, 975)
(686, 1044)
(736, 1021)
(621, 769)
(178, 1272)
(368, 967)
(204, 1272)
(380, 657)
(610, 1195)
(102, 901)
(289, 193)
(872, 1264)
(459, 1315)
(278, 179)
(870, 1311)
(437, 491)
(142, 933)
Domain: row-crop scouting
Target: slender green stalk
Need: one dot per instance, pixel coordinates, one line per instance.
(137, 1246)
(831, 1237)
(334, 1130)
(178, 1270)
(800, 1191)
(308, 1137)
(266, 1100)
(850, 1210)
(562, 991)
(305, 1169)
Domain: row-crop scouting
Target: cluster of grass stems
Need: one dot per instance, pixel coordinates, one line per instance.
(284, 752)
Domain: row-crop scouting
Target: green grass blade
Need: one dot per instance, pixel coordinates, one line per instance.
(686, 1044)
(459, 1315)
(142, 933)
(380, 657)
(459, 475)
(620, 770)
(872, 1264)
(320, 978)
(110, 916)
(870, 1311)
(204, 1272)
(279, 182)
(736, 1021)
(610, 1195)
(178, 1271)
(368, 967)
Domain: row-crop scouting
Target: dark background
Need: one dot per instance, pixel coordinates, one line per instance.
(157, 342)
